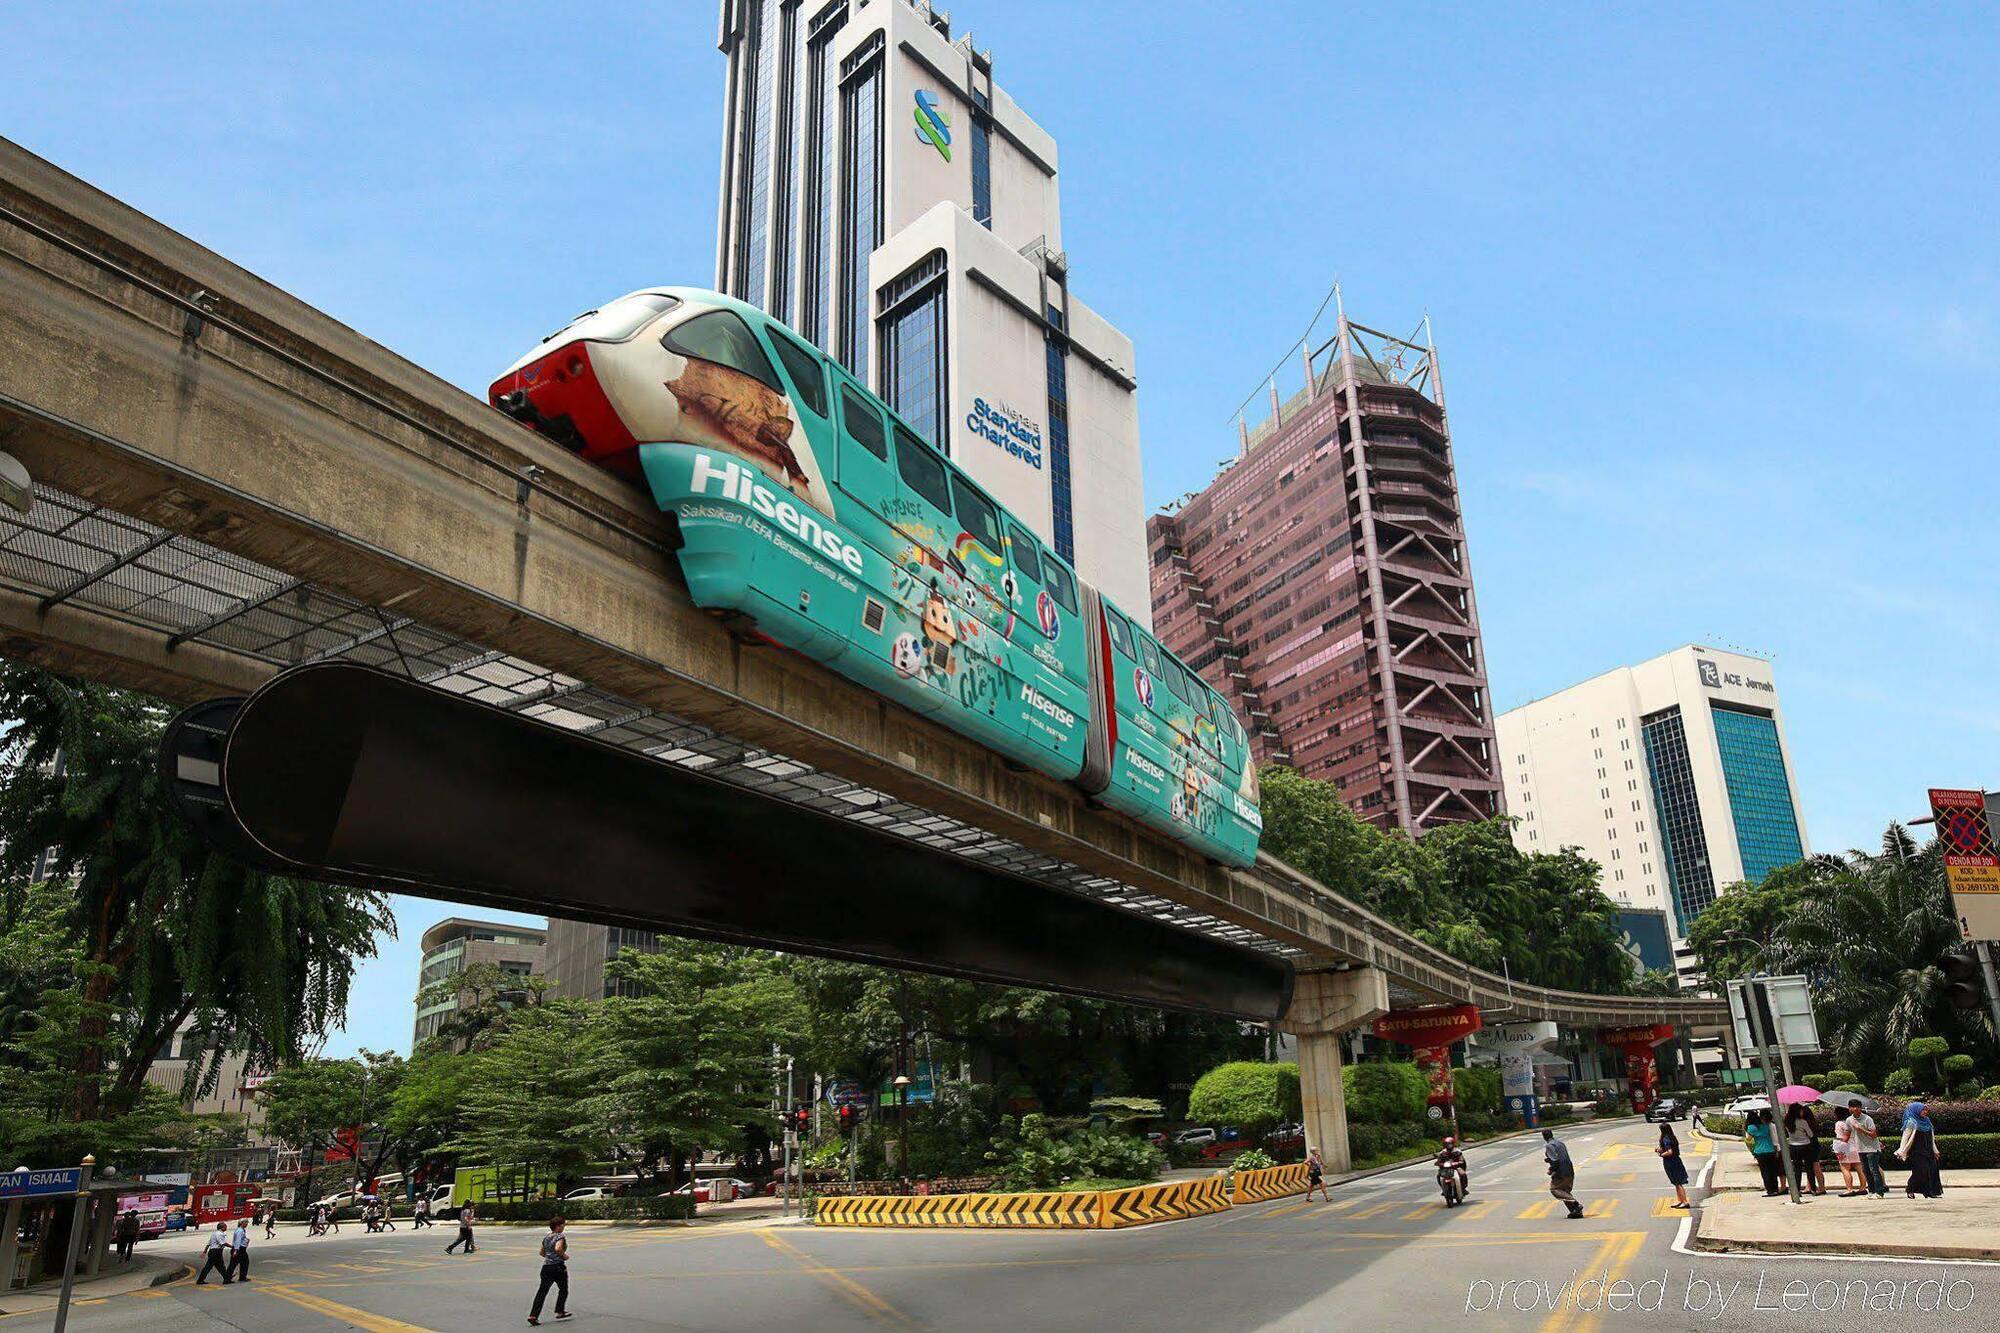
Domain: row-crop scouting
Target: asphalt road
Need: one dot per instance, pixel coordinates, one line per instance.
(1384, 1253)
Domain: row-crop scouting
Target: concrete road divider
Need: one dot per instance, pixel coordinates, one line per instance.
(1271, 1182)
(1163, 1203)
(1076, 1209)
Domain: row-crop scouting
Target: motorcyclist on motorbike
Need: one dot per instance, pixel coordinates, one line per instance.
(1450, 1159)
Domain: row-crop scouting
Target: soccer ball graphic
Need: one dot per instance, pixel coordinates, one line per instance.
(1010, 587)
(907, 654)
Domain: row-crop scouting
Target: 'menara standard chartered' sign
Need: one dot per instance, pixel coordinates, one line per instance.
(1010, 430)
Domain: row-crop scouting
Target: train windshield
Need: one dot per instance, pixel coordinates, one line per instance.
(617, 321)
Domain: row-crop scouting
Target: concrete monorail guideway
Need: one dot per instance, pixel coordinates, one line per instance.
(230, 483)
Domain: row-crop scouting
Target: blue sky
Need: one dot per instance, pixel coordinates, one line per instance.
(1715, 286)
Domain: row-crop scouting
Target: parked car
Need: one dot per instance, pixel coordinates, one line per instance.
(590, 1192)
(341, 1199)
(1742, 1105)
(1197, 1136)
(1667, 1108)
(1289, 1130)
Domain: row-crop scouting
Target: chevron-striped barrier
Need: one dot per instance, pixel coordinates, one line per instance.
(1271, 1182)
(1163, 1203)
(1074, 1209)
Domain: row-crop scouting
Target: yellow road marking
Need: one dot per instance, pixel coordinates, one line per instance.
(1475, 1211)
(871, 1304)
(1601, 1207)
(1422, 1211)
(1335, 1206)
(1375, 1210)
(1287, 1209)
(1534, 1210)
(362, 1268)
(1664, 1207)
(1628, 1177)
(374, 1323)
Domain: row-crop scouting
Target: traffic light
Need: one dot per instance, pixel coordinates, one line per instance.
(849, 1117)
(801, 1119)
(1962, 979)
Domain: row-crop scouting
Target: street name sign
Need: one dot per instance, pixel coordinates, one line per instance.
(1971, 860)
(23, 1184)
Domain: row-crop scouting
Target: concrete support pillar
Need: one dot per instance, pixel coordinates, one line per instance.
(1324, 1006)
(103, 1220)
(10, 1231)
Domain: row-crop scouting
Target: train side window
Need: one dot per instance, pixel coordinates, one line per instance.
(1149, 657)
(808, 376)
(721, 336)
(1121, 633)
(975, 514)
(863, 426)
(922, 470)
(1061, 586)
(1027, 558)
(1171, 671)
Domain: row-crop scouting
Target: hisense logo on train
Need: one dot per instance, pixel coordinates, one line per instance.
(733, 481)
(1041, 703)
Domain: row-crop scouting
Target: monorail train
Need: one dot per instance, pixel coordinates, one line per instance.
(804, 504)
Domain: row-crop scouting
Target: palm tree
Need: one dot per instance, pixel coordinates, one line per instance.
(1868, 932)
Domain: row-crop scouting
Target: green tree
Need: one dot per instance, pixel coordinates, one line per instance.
(1464, 888)
(684, 1063)
(1248, 1094)
(485, 993)
(310, 1104)
(531, 1095)
(166, 931)
(1732, 935)
(1868, 930)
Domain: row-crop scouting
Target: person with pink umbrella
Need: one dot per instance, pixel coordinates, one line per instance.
(1802, 1134)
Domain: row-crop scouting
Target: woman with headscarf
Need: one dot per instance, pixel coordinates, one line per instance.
(1919, 1149)
(1760, 1136)
(1669, 1153)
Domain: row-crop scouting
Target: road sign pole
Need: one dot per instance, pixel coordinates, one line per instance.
(1752, 988)
(1985, 951)
(75, 1240)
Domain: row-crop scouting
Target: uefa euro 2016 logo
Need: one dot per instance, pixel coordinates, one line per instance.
(933, 125)
(1045, 612)
(1144, 684)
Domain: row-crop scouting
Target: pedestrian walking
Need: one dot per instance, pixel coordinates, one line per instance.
(1868, 1147)
(1760, 1136)
(270, 1221)
(239, 1250)
(420, 1216)
(1846, 1155)
(215, 1257)
(1802, 1141)
(1919, 1149)
(555, 1272)
(1562, 1172)
(388, 1218)
(1316, 1175)
(466, 1217)
(1669, 1151)
(128, 1234)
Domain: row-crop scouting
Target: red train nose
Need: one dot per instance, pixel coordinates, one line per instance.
(558, 395)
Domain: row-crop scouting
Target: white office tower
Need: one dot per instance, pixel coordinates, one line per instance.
(1673, 775)
(884, 197)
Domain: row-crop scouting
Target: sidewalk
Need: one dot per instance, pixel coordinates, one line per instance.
(1737, 1217)
(116, 1279)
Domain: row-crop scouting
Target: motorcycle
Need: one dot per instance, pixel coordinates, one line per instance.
(1449, 1186)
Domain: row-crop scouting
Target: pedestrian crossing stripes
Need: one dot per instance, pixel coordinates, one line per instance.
(1540, 1208)
(1475, 1211)
(1664, 1207)
(1376, 1209)
(1604, 1207)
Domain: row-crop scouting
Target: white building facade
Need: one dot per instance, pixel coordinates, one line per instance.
(884, 197)
(1673, 775)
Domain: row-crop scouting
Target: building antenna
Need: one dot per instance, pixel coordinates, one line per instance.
(1333, 294)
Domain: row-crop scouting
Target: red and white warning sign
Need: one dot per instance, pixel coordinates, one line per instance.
(1971, 859)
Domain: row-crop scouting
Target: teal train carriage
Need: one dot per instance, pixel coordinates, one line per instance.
(806, 508)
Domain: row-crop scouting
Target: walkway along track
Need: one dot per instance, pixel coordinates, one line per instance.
(231, 482)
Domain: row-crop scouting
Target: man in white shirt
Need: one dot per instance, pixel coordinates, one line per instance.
(239, 1249)
(1869, 1146)
(216, 1256)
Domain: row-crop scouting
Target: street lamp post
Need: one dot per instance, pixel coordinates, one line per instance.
(902, 1086)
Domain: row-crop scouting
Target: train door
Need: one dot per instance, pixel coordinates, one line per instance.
(864, 471)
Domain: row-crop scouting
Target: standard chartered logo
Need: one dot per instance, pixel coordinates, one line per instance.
(733, 481)
(933, 126)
